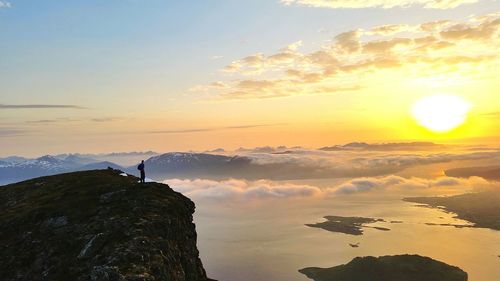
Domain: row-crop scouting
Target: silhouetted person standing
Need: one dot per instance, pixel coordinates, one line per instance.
(143, 173)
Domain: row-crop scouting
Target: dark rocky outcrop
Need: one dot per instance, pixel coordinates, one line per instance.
(388, 268)
(97, 226)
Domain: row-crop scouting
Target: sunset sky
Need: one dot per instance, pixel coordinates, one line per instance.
(122, 75)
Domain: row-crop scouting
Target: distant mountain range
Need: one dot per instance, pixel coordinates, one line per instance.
(160, 167)
(197, 165)
(279, 163)
(492, 173)
(47, 165)
(15, 168)
(176, 164)
(212, 166)
(120, 158)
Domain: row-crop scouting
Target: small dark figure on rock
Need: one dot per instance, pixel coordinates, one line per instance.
(143, 173)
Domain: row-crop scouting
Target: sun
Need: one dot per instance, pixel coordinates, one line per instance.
(441, 113)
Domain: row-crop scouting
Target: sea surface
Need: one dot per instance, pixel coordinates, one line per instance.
(266, 240)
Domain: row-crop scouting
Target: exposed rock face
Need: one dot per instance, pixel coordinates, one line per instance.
(388, 268)
(97, 226)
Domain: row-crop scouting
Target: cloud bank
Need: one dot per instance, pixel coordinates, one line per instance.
(396, 183)
(7, 132)
(282, 163)
(233, 189)
(38, 106)
(200, 130)
(320, 164)
(386, 4)
(241, 189)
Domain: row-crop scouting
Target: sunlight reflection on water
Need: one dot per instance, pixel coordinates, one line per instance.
(267, 240)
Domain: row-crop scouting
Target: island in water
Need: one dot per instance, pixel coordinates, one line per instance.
(388, 268)
(347, 225)
(482, 208)
(354, 245)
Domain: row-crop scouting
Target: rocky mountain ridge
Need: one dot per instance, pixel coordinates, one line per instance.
(97, 226)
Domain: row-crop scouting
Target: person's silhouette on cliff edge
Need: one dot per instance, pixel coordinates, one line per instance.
(143, 173)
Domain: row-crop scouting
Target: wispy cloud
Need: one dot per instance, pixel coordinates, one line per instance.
(254, 126)
(5, 4)
(198, 130)
(39, 106)
(386, 4)
(181, 131)
(66, 119)
(356, 57)
(104, 119)
(49, 121)
(42, 121)
(7, 132)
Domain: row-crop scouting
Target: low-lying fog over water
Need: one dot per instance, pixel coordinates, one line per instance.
(255, 230)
